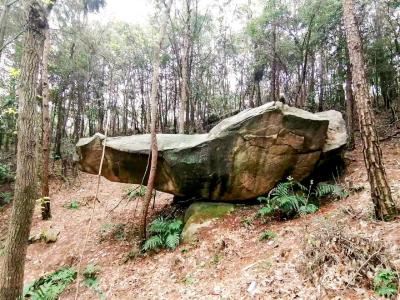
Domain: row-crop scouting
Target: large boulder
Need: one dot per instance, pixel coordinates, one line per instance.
(242, 157)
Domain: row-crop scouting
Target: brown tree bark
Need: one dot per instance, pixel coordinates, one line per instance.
(153, 103)
(12, 269)
(46, 212)
(3, 22)
(385, 208)
(185, 66)
(349, 109)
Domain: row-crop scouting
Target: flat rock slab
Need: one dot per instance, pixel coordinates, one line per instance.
(241, 158)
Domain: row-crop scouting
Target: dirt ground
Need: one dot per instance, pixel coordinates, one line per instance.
(229, 256)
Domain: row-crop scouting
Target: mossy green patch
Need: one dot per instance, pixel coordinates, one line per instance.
(200, 215)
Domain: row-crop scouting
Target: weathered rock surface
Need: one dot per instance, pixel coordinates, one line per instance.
(200, 215)
(242, 157)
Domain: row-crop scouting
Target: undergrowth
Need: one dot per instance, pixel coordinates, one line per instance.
(336, 257)
(6, 175)
(163, 234)
(135, 192)
(386, 283)
(290, 199)
(50, 287)
(268, 235)
(5, 198)
(91, 280)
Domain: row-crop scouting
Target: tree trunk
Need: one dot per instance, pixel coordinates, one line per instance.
(385, 208)
(349, 109)
(46, 213)
(321, 75)
(274, 96)
(154, 148)
(3, 22)
(12, 269)
(185, 76)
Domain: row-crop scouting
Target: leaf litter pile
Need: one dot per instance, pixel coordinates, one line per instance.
(335, 257)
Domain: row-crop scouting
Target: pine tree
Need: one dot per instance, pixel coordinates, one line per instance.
(12, 269)
(385, 208)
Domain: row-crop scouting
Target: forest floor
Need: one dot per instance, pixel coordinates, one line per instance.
(228, 262)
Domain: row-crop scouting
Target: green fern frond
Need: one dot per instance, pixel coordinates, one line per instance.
(266, 211)
(308, 209)
(175, 226)
(172, 240)
(152, 243)
(159, 225)
(324, 189)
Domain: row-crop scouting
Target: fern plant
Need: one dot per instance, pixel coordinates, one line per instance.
(51, 286)
(290, 198)
(324, 189)
(163, 234)
(386, 283)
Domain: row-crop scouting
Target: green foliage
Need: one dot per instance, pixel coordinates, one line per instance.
(6, 175)
(290, 199)
(324, 189)
(136, 192)
(5, 198)
(164, 234)
(386, 283)
(50, 287)
(73, 205)
(287, 199)
(268, 235)
(91, 280)
(110, 230)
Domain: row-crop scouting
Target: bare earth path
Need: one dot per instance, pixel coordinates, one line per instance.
(222, 265)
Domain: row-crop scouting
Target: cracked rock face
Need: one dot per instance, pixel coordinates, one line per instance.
(242, 157)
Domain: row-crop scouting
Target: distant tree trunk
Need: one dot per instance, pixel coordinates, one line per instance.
(154, 148)
(59, 127)
(349, 108)
(321, 75)
(274, 96)
(3, 21)
(185, 74)
(385, 208)
(12, 269)
(46, 213)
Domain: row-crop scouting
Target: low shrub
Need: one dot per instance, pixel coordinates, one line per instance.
(290, 198)
(163, 234)
(50, 286)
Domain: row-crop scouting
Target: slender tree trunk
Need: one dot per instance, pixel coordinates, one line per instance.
(321, 74)
(12, 269)
(3, 21)
(385, 208)
(46, 213)
(274, 96)
(349, 109)
(185, 76)
(154, 148)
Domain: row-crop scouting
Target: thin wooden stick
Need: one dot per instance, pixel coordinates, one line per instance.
(93, 208)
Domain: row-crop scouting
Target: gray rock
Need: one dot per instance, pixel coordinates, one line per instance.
(242, 157)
